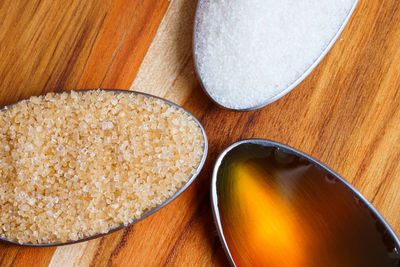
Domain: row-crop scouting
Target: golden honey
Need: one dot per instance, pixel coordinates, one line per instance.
(279, 209)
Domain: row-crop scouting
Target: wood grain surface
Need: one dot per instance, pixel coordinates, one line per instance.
(346, 113)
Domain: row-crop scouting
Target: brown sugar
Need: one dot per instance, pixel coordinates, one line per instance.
(73, 165)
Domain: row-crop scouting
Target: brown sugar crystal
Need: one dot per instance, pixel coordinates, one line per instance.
(73, 165)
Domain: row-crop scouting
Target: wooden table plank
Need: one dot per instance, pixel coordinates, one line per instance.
(47, 45)
(344, 114)
(134, 23)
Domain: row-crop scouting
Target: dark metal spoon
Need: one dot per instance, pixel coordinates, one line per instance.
(148, 213)
(276, 206)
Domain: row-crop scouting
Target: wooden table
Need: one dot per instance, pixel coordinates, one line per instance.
(346, 113)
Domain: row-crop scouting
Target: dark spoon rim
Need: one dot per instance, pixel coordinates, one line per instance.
(148, 213)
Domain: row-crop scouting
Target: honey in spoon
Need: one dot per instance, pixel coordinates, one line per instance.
(275, 206)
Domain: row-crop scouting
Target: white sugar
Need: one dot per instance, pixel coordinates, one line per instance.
(249, 51)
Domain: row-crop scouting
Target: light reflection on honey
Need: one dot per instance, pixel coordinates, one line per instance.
(280, 210)
(264, 217)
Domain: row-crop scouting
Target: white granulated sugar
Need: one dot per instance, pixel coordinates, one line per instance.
(249, 51)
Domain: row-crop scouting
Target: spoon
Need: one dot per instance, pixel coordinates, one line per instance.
(151, 211)
(276, 206)
(248, 56)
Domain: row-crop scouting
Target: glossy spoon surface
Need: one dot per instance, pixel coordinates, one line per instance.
(250, 53)
(112, 184)
(275, 206)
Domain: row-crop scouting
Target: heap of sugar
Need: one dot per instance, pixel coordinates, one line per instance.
(79, 164)
(249, 51)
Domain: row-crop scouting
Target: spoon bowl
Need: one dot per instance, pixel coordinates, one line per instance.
(276, 206)
(182, 188)
(205, 42)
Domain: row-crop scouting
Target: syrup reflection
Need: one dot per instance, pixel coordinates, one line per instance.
(277, 208)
